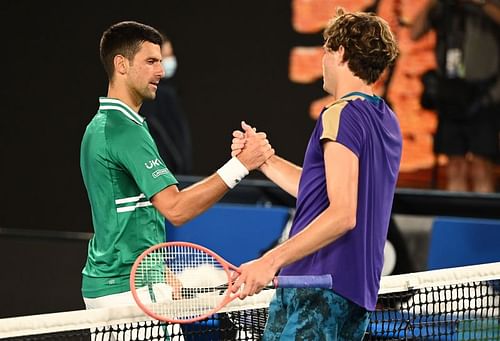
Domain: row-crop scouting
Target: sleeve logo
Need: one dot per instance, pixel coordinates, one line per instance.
(152, 163)
(159, 172)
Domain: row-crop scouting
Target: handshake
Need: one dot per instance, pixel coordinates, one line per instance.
(249, 151)
(252, 148)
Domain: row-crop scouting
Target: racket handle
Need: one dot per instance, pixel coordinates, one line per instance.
(311, 281)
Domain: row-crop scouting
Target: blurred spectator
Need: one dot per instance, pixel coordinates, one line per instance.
(465, 88)
(166, 120)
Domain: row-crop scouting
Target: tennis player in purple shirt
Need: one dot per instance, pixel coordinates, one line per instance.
(344, 193)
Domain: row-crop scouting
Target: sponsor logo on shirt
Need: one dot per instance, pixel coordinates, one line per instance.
(152, 163)
(159, 172)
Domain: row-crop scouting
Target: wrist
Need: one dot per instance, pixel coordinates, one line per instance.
(232, 172)
(263, 167)
(267, 164)
(274, 259)
(270, 263)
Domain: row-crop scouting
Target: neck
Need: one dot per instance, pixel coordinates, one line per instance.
(124, 95)
(350, 83)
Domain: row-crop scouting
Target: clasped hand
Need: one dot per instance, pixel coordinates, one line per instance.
(252, 148)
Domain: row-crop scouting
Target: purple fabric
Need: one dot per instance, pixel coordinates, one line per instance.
(322, 281)
(369, 128)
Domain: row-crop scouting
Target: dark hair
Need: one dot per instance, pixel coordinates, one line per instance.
(369, 45)
(125, 38)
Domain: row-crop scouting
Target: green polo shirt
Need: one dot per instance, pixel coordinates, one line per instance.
(122, 170)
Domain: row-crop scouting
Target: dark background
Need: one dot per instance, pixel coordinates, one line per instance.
(233, 65)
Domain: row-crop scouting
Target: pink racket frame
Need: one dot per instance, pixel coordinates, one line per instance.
(228, 267)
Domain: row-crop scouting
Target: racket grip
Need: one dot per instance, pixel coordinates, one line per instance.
(311, 281)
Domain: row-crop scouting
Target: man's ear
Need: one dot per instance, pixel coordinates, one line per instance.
(121, 64)
(340, 53)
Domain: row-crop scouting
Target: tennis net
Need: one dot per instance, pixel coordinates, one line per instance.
(449, 304)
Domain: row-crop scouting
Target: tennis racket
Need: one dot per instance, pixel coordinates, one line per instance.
(181, 282)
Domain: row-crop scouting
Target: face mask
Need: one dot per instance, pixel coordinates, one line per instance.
(169, 66)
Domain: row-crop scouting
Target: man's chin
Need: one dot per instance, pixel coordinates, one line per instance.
(150, 96)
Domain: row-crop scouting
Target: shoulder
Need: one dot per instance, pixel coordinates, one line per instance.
(123, 135)
(336, 112)
(118, 123)
(335, 109)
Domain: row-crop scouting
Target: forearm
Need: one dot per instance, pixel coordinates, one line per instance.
(283, 173)
(184, 205)
(181, 206)
(330, 225)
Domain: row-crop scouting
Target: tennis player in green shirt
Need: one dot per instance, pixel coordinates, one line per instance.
(129, 187)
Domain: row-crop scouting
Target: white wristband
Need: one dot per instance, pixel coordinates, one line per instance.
(232, 172)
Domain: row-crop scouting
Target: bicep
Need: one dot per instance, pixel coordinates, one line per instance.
(341, 169)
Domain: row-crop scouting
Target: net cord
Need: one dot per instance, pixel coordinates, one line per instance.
(86, 319)
(440, 277)
(83, 319)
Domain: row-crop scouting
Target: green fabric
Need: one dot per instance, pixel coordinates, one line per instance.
(122, 170)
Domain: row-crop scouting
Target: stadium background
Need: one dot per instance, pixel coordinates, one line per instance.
(237, 60)
(254, 60)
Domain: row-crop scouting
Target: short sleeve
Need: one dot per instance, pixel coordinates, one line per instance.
(137, 153)
(340, 125)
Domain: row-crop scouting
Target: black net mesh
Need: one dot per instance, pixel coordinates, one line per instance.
(466, 311)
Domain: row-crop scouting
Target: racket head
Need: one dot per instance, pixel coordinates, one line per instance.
(159, 272)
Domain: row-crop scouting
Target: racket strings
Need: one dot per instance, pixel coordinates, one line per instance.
(186, 282)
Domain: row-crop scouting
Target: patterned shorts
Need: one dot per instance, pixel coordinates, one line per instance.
(314, 314)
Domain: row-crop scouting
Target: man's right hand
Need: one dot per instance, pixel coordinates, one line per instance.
(251, 148)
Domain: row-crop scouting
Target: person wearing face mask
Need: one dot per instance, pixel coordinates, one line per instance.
(166, 119)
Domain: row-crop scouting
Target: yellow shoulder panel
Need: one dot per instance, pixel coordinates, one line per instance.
(331, 117)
